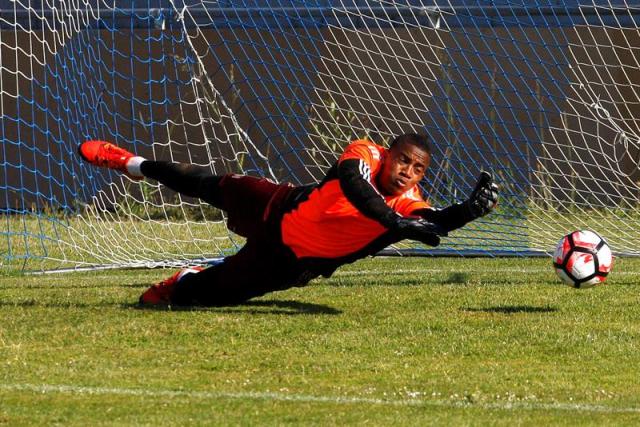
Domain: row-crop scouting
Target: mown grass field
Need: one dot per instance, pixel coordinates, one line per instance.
(387, 341)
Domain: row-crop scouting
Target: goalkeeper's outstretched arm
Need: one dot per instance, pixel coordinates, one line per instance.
(483, 200)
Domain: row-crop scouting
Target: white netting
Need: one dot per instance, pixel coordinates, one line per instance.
(543, 95)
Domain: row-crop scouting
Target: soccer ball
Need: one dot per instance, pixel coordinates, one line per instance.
(582, 259)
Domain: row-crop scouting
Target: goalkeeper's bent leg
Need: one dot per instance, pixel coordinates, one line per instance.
(263, 265)
(190, 180)
(247, 200)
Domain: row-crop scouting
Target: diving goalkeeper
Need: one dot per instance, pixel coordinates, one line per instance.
(368, 200)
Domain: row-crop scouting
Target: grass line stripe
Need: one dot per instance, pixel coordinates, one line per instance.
(498, 270)
(381, 272)
(284, 397)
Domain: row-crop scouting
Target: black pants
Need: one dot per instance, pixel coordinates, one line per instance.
(254, 208)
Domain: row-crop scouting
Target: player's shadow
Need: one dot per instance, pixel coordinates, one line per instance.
(252, 307)
(62, 304)
(511, 309)
(75, 286)
(287, 307)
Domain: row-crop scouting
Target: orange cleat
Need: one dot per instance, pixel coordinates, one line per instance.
(107, 155)
(160, 293)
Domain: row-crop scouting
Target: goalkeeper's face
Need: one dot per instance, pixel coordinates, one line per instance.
(403, 167)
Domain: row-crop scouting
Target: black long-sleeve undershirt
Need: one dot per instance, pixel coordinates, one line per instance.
(449, 218)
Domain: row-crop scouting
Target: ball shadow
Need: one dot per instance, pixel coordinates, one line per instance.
(457, 278)
(510, 309)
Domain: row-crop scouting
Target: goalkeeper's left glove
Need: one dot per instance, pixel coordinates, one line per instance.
(484, 197)
(419, 229)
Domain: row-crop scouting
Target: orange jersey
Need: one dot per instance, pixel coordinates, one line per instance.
(327, 225)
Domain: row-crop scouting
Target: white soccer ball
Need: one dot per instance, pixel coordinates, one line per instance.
(582, 259)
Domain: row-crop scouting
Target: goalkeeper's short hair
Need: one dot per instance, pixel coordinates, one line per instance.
(419, 140)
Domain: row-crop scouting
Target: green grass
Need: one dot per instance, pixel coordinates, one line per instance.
(386, 341)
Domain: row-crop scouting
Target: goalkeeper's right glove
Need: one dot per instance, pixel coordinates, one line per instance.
(484, 197)
(418, 229)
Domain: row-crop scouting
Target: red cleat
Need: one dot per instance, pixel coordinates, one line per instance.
(107, 155)
(160, 293)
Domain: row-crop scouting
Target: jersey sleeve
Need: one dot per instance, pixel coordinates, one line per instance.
(362, 150)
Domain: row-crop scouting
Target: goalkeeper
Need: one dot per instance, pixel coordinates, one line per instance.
(368, 200)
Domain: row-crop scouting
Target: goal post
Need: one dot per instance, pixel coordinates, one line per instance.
(545, 95)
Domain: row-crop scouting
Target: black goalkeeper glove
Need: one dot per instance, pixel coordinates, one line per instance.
(418, 229)
(483, 198)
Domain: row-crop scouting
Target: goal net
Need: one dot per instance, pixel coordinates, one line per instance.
(544, 94)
